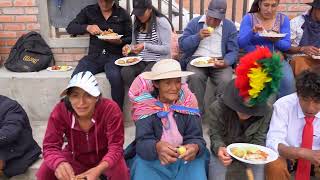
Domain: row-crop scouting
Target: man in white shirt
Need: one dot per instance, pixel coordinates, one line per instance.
(210, 35)
(294, 130)
(305, 39)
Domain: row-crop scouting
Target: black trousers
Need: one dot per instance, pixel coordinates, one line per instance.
(97, 63)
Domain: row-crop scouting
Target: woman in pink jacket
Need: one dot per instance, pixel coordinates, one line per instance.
(93, 129)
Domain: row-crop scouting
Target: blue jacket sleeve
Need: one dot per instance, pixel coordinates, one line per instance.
(193, 133)
(190, 38)
(146, 139)
(12, 124)
(284, 44)
(232, 50)
(245, 33)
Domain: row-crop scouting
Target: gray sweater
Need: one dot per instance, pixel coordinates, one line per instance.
(164, 35)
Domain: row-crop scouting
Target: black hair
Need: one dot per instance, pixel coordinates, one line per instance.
(155, 92)
(255, 6)
(308, 83)
(138, 25)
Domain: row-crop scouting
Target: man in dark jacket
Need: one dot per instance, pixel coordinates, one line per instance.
(94, 19)
(18, 149)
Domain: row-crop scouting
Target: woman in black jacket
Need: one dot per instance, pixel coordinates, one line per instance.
(18, 149)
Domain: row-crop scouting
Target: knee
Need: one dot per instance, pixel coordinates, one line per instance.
(45, 173)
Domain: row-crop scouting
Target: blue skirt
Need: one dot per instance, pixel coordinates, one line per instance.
(180, 170)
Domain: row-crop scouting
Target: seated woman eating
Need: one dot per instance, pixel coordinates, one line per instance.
(93, 129)
(169, 142)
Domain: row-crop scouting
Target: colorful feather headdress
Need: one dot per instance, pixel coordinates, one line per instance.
(258, 76)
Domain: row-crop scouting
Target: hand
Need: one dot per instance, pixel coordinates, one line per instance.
(113, 41)
(204, 33)
(191, 153)
(309, 50)
(166, 152)
(64, 171)
(126, 49)
(220, 64)
(137, 48)
(94, 30)
(224, 157)
(311, 155)
(273, 39)
(91, 174)
(258, 28)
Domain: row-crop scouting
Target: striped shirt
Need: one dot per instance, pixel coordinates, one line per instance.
(148, 55)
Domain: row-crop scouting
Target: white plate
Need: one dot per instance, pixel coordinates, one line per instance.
(104, 37)
(316, 57)
(126, 58)
(272, 35)
(60, 70)
(194, 62)
(272, 154)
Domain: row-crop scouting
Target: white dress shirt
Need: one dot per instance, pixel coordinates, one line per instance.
(210, 46)
(287, 124)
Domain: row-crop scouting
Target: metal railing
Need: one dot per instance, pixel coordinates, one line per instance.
(180, 10)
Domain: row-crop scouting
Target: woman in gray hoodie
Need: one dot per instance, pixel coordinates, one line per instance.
(151, 37)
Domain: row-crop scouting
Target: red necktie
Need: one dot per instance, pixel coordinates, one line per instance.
(304, 166)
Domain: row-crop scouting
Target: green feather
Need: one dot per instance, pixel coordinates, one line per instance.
(273, 67)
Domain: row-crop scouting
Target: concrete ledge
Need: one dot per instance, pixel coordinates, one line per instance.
(38, 92)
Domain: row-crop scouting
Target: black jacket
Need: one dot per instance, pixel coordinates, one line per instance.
(17, 147)
(119, 21)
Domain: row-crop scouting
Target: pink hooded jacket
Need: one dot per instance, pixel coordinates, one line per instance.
(103, 142)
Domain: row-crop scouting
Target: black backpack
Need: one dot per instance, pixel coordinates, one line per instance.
(30, 53)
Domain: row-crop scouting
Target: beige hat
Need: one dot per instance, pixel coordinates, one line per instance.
(165, 69)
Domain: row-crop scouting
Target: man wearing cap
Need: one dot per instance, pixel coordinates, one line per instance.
(18, 149)
(294, 130)
(210, 35)
(94, 133)
(305, 39)
(94, 19)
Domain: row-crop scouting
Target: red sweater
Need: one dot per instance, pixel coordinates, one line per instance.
(104, 140)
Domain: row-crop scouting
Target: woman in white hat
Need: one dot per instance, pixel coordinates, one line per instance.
(169, 142)
(93, 128)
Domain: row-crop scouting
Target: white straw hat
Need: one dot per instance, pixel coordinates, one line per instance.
(85, 81)
(165, 69)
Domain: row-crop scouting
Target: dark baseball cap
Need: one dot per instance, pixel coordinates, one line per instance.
(217, 9)
(140, 6)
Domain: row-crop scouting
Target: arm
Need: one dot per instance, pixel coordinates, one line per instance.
(164, 28)
(190, 38)
(284, 43)
(278, 128)
(216, 127)
(193, 133)
(246, 34)
(13, 122)
(145, 139)
(53, 140)
(115, 136)
(260, 136)
(78, 26)
(232, 49)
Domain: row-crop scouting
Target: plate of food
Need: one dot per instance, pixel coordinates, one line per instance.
(109, 35)
(316, 57)
(251, 153)
(128, 61)
(272, 34)
(59, 68)
(203, 62)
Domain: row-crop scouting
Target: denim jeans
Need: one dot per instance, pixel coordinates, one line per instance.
(287, 83)
(97, 63)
